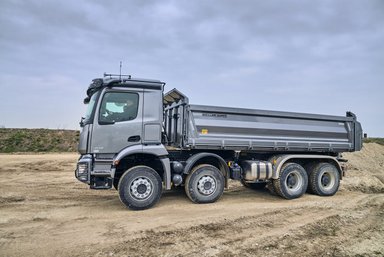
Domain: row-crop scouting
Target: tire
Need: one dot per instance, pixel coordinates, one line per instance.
(254, 186)
(140, 188)
(115, 184)
(309, 168)
(292, 182)
(271, 187)
(204, 184)
(324, 179)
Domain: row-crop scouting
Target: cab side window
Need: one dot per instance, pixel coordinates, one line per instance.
(118, 107)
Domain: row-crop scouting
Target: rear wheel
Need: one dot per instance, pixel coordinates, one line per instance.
(204, 184)
(140, 188)
(292, 182)
(324, 179)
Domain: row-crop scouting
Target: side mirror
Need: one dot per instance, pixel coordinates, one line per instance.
(82, 122)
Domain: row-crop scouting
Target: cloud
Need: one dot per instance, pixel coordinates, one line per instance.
(317, 56)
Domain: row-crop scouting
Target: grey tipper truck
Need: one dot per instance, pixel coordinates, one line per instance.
(140, 141)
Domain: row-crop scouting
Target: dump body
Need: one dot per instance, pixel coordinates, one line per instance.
(233, 128)
(210, 127)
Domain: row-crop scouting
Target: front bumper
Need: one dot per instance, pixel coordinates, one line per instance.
(95, 173)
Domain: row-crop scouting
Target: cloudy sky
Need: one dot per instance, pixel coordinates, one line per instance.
(321, 56)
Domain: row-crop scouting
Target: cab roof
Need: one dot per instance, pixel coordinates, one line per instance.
(113, 80)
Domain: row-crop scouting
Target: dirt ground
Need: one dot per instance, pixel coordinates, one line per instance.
(45, 211)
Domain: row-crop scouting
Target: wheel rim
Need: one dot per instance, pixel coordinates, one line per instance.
(206, 185)
(141, 188)
(327, 180)
(294, 181)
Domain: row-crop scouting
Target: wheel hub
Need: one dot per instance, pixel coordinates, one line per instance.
(325, 180)
(291, 180)
(294, 181)
(141, 188)
(206, 185)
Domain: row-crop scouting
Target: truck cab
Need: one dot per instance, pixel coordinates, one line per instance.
(124, 116)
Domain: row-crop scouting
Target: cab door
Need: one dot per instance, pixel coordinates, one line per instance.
(118, 120)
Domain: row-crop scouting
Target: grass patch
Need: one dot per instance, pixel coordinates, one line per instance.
(378, 140)
(38, 140)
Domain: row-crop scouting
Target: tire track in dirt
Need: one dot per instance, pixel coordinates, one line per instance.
(273, 233)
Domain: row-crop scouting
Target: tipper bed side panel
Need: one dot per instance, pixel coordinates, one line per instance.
(245, 129)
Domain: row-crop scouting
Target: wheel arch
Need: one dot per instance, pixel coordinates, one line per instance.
(208, 158)
(154, 156)
(279, 161)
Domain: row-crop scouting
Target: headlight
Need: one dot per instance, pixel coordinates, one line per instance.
(82, 169)
(82, 172)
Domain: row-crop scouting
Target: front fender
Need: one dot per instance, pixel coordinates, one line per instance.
(157, 151)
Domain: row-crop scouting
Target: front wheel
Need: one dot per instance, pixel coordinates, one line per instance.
(292, 182)
(140, 188)
(205, 184)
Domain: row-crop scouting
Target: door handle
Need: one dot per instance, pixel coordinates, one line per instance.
(134, 139)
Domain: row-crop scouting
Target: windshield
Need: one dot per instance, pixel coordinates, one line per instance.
(90, 109)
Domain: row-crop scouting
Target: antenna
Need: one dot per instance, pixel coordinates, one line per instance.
(121, 64)
(115, 76)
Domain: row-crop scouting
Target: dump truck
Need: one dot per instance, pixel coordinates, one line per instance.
(140, 141)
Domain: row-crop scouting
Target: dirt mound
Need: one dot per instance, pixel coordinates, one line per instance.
(365, 170)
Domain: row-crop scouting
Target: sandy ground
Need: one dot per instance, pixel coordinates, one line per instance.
(45, 211)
